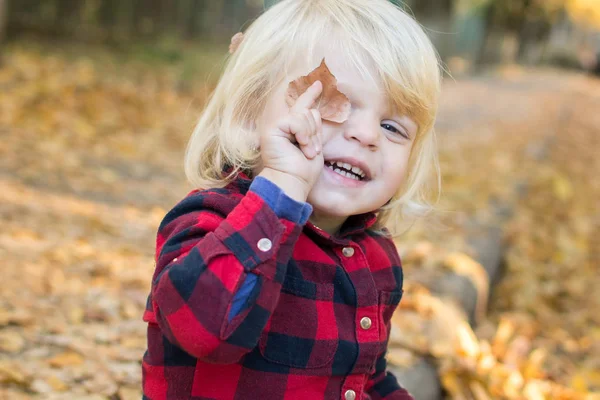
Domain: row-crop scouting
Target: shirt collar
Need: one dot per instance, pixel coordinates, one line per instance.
(355, 224)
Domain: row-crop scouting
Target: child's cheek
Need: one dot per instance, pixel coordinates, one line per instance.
(329, 130)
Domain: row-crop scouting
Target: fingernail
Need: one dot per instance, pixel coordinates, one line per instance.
(315, 144)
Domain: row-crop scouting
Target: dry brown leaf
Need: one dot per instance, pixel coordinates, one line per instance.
(56, 383)
(464, 265)
(11, 342)
(332, 104)
(11, 372)
(129, 393)
(66, 359)
(401, 357)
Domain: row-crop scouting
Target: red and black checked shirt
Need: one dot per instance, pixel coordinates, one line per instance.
(314, 326)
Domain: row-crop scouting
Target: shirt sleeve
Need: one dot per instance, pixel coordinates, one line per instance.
(203, 259)
(284, 207)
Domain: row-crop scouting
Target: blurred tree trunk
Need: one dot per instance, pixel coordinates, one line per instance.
(123, 21)
(3, 19)
(524, 30)
(488, 25)
(107, 18)
(68, 10)
(238, 14)
(269, 3)
(193, 11)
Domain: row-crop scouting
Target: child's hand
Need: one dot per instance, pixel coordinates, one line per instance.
(291, 151)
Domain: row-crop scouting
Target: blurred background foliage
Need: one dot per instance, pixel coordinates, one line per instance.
(97, 102)
(468, 33)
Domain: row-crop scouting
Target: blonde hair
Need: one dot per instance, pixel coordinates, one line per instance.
(407, 65)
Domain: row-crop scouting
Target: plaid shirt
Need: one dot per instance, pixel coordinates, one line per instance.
(251, 301)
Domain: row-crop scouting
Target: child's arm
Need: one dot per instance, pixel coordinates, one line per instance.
(204, 259)
(382, 385)
(218, 278)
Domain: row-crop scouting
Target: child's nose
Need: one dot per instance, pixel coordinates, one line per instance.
(364, 129)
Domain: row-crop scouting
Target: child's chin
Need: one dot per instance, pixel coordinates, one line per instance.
(333, 206)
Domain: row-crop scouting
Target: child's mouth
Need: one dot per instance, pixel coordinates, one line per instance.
(347, 170)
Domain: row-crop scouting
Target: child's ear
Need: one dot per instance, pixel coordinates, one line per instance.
(250, 126)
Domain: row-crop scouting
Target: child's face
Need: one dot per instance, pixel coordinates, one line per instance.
(375, 138)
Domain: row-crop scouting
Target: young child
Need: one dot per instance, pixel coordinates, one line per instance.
(276, 278)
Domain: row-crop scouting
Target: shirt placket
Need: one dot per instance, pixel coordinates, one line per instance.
(366, 322)
(353, 387)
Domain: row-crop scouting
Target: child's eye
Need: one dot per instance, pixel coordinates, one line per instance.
(393, 129)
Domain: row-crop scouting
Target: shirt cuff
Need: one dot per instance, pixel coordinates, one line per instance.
(283, 205)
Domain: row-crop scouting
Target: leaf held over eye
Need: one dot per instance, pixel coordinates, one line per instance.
(332, 104)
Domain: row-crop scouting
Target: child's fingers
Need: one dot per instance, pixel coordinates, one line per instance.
(318, 130)
(312, 124)
(309, 151)
(306, 142)
(317, 143)
(307, 99)
(304, 129)
(293, 126)
(313, 118)
(303, 135)
(317, 118)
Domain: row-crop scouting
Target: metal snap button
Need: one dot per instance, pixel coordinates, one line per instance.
(264, 244)
(348, 251)
(365, 323)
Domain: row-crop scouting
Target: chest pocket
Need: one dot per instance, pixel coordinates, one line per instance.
(302, 331)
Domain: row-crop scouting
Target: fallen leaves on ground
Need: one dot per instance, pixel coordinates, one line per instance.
(91, 160)
(540, 339)
(90, 164)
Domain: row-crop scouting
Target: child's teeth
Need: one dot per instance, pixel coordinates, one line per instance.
(341, 167)
(357, 171)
